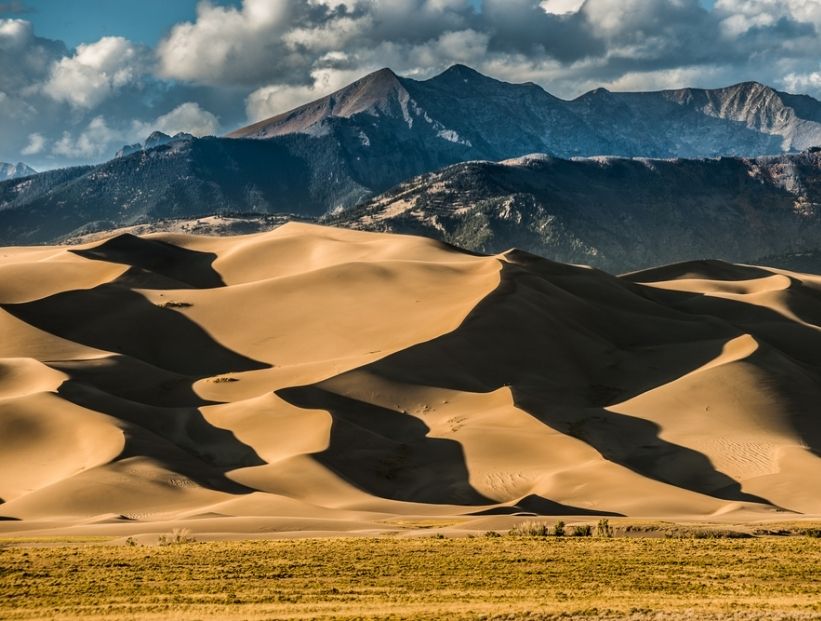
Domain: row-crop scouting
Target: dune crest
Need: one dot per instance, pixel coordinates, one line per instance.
(323, 374)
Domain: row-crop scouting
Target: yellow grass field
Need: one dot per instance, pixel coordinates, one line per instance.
(481, 577)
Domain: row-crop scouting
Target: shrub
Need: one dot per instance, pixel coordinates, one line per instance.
(812, 532)
(603, 528)
(492, 533)
(131, 542)
(558, 529)
(530, 529)
(581, 530)
(176, 537)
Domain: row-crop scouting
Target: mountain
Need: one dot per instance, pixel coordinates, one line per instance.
(15, 171)
(614, 213)
(156, 139)
(618, 214)
(462, 115)
(341, 380)
(332, 154)
(181, 178)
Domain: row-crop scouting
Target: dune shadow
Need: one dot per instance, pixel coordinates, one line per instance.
(710, 269)
(148, 386)
(789, 350)
(558, 366)
(538, 505)
(388, 453)
(113, 318)
(178, 438)
(133, 379)
(172, 267)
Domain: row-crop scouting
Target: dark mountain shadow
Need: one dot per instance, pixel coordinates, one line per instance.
(116, 319)
(387, 453)
(558, 370)
(190, 267)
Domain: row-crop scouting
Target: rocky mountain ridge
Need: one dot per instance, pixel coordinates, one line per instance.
(618, 214)
(484, 118)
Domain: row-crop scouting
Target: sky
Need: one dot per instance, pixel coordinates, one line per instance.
(81, 78)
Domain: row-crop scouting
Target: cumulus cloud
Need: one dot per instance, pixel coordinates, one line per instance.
(24, 58)
(226, 45)
(561, 7)
(189, 118)
(101, 136)
(94, 72)
(275, 98)
(803, 82)
(35, 145)
(92, 142)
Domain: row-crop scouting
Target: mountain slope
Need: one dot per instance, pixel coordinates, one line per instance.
(462, 113)
(618, 214)
(182, 178)
(443, 383)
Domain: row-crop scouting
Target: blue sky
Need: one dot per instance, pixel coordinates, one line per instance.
(145, 21)
(79, 21)
(80, 78)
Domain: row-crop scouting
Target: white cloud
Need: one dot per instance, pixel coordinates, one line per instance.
(99, 138)
(93, 142)
(225, 44)
(189, 118)
(15, 33)
(94, 72)
(739, 16)
(270, 100)
(560, 7)
(803, 82)
(462, 46)
(36, 144)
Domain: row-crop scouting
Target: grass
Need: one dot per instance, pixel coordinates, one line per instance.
(512, 578)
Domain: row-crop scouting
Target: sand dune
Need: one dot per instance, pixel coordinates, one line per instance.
(341, 377)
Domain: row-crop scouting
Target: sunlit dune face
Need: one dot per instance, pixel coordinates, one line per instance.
(319, 373)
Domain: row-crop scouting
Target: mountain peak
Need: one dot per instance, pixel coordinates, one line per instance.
(156, 138)
(462, 74)
(15, 171)
(462, 71)
(371, 92)
(751, 84)
(385, 73)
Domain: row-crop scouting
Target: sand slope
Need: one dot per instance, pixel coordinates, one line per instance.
(324, 374)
